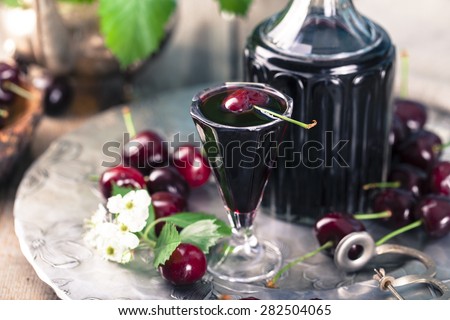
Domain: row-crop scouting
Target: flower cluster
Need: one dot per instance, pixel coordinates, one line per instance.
(112, 230)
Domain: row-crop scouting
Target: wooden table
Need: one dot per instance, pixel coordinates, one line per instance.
(205, 48)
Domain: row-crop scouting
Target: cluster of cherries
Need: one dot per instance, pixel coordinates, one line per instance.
(419, 181)
(169, 178)
(417, 192)
(57, 92)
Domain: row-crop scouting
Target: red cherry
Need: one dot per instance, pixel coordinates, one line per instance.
(411, 178)
(192, 165)
(413, 114)
(145, 151)
(334, 227)
(420, 149)
(242, 100)
(440, 178)
(434, 211)
(399, 202)
(167, 179)
(122, 177)
(8, 73)
(186, 265)
(166, 204)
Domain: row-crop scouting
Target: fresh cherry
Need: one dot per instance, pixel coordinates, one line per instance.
(411, 113)
(167, 179)
(8, 73)
(421, 149)
(186, 265)
(122, 177)
(399, 202)
(192, 165)
(440, 178)
(57, 95)
(145, 151)
(243, 99)
(334, 227)
(166, 204)
(398, 132)
(410, 177)
(434, 212)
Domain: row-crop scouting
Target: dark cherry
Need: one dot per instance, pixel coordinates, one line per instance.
(440, 178)
(334, 227)
(420, 149)
(166, 204)
(410, 177)
(242, 100)
(398, 132)
(57, 96)
(145, 151)
(186, 265)
(11, 74)
(122, 177)
(412, 113)
(399, 202)
(192, 165)
(434, 211)
(167, 179)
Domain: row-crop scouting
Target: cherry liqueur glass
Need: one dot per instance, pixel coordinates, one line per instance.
(241, 148)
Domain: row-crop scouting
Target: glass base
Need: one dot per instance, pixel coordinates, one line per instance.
(246, 262)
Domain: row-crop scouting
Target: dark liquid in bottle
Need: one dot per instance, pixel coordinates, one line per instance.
(323, 169)
(240, 157)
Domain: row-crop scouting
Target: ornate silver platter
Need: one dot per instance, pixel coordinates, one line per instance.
(57, 195)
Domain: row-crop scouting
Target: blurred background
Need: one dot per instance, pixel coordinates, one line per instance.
(204, 45)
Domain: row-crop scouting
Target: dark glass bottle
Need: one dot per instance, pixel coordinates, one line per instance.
(338, 66)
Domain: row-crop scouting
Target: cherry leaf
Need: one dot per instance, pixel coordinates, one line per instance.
(167, 242)
(184, 219)
(203, 234)
(238, 7)
(134, 29)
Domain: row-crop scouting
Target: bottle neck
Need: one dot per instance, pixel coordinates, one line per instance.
(320, 29)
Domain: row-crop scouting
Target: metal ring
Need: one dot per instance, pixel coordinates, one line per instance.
(407, 251)
(341, 258)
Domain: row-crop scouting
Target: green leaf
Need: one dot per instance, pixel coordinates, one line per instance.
(202, 234)
(134, 29)
(78, 1)
(184, 219)
(116, 190)
(167, 242)
(12, 3)
(237, 7)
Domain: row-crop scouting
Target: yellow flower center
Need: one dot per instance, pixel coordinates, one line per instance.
(129, 205)
(110, 251)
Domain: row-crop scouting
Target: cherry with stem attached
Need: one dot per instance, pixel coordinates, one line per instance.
(330, 230)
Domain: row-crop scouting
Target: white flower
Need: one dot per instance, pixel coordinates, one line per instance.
(100, 215)
(112, 241)
(132, 209)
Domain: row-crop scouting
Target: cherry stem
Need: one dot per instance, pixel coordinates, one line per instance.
(404, 74)
(11, 86)
(401, 230)
(128, 121)
(389, 184)
(272, 282)
(441, 147)
(4, 113)
(298, 123)
(371, 216)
